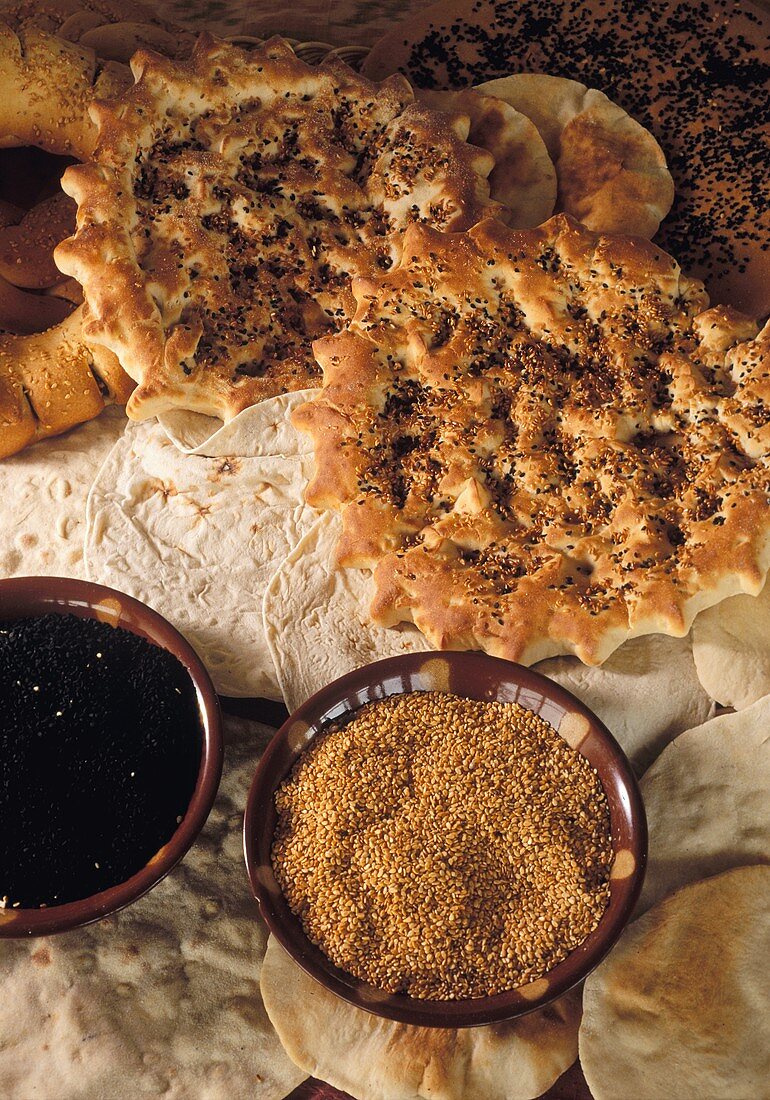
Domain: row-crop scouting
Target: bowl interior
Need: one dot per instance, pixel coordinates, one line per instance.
(475, 676)
(25, 597)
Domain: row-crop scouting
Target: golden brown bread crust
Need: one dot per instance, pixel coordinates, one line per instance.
(51, 381)
(231, 199)
(49, 85)
(542, 443)
(523, 178)
(114, 29)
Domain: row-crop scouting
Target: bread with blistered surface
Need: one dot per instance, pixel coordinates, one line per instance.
(543, 442)
(231, 200)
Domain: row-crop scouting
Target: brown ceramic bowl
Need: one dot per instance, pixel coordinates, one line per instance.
(25, 597)
(475, 676)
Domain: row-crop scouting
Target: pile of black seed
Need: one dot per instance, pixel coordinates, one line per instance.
(100, 747)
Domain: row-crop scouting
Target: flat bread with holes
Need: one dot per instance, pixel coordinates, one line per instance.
(523, 178)
(198, 538)
(612, 174)
(231, 200)
(542, 442)
(678, 1010)
(706, 798)
(120, 1008)
(378, 1059)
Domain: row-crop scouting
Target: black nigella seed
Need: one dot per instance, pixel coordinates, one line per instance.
(100, 748)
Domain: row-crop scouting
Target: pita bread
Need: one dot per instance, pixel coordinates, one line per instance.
(707, 804)
(679, 1009)
(316, 627)
(378, 1059)
(161, 999)
(611, 172)
(523, 178)
(731, 646)
(199, 538)
(48, 485)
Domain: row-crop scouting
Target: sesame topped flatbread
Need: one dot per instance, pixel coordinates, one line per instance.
(232, 199)
(542, 443)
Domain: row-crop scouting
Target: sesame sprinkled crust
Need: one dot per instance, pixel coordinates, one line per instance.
(231, 200)
(542, 444)
(51, 381)
(444, 847)
(49, 86)
(694, 72)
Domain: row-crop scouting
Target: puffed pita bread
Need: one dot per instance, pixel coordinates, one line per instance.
(678, 1011)
(377, 1059)
(707, 802)
(317, 629)
(45, 490)
(611, 171)
(731, 646)
(199, 538)
(523, 178)
(161, 999)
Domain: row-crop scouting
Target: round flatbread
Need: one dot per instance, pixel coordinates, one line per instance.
(523, 178)
(161, 999)
(695, 74)
(707, 804)
(612, 174)
(731, 646)
(48, 486)
(678, 1011)
(317, 628)
(198, 538)
(379, 1059)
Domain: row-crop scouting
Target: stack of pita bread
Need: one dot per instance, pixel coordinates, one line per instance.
(182, 994)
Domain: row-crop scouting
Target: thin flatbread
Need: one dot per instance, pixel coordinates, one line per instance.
(678, 1011)
(161, 999)
(524, 177)
(612, 173)
(199, 538)
(377, 1059)
(317, 629)
(45, 488)
(707, 803)
(731, 646)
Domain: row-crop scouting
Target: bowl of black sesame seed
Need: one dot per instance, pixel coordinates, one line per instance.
(447, 840)
(110, 752)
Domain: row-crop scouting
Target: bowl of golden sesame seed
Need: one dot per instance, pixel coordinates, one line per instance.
(447, 840)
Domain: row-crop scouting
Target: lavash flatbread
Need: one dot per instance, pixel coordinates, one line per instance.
(44, 489)
(161, 999)
(199, 538)
(611, 172)
(731, 646)
(267, 432)
(317, 628)
(707, 802)
(377, 1059)
(679, 1009)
